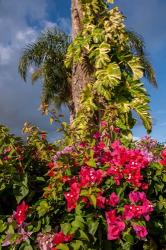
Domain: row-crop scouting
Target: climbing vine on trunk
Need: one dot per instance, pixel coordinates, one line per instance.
(107, 73)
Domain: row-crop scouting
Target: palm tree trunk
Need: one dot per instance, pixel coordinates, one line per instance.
(79, 77)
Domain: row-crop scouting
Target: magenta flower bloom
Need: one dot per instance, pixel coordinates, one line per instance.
(89, 176)
(103, 123)
(21, 212)
(137, 196)
(115, 225)
(100, 201)
(113, 199)
(61, 237)
(72, 196)
(141, 231)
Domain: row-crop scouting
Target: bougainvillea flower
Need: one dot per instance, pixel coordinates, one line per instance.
(103, 123)
(137, 196)
(163, 155)
(141, 231)
(115, 225)
(97, 135)
(51, 165)
(72, 196)
(61, 237)
(65, 178)
(21, 212)
(90, 176)
(113, 199)
(100, 202)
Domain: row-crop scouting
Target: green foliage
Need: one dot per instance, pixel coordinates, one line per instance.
(117, 57)
(22, 166)
(46, 56)
(56, 197)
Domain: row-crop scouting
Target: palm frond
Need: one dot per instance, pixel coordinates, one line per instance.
(137, 46)
(47, 54)
(149, 73)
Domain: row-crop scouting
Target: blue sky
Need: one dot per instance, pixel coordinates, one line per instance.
(21, 21)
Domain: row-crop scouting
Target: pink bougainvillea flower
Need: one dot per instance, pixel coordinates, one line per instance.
(51, 165)
(103, 123)
(129, 212)
(117, 130)
(144, 208)
(58, 238)
(90, 176)
(97, 135)
(100, 202)
(61, 237)
(144, 186)
(72, 196)
(141, 231)
(115, 229)
(7, 150)
(21, 212)
(115, 225)
(113, 199)
(163, 155)
(137, 196)
(65, 178)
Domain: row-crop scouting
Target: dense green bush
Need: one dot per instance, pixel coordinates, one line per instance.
(96, 194)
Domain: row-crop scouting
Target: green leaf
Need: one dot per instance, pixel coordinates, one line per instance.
(164, 177)
(108, 77)
(76, 245)
(20, 188)
(42, 208)
(26, 246)
(65, 227)
(3, 226)
(91, 163)
(93, 226)
(83, 235)
(93, 200)
(110, 1)
(62, 247)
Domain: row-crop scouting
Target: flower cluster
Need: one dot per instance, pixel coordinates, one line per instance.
(72, 196)
(50, 241)
(21, 212)
(89, 176)
(115, 225)
(95, 188)
(61, 237)
(124, 167)
(163, 156)
(140, 206)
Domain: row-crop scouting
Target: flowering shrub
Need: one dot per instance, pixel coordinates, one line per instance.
(96, 195)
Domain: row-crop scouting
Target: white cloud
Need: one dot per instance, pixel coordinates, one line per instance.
(49, 25)
(20, 23)
(5, 54)
(26, 36)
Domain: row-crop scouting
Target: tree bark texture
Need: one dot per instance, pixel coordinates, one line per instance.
(79, 77)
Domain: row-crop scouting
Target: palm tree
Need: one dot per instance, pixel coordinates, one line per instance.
(46, 56)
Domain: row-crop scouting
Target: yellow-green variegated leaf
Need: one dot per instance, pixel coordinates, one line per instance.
(109, 76)
(142, 109)
(136, 68)
(110, 1)
(100, 55)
